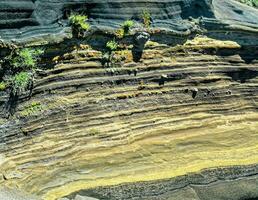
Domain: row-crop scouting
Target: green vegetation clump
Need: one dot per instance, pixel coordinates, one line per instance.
(79, 24)
(25, 58)
(125, 29)
(31, 109)
(94, 132)
(18, 69)
(253, 3)
(127, 25)
(146, 17)
(2, 86)
(112, 45)
(20, 82)
(120, 33)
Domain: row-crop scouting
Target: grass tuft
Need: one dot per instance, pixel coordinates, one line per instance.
(112, 45)
(79, 24)
(2, 86)
(20, 82)
(25, 58)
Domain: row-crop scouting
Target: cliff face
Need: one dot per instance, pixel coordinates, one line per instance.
(42, 21)
(178, 121)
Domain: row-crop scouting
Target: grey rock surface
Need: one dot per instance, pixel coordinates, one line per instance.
(79, 197)
(236, 183)
(8, 194)
(46, 20)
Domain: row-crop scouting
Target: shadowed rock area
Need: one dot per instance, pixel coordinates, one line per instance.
(171, 113)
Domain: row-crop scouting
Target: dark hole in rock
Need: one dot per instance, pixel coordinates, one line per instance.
(242, 75)
(238, 11)
(121, 81)
(194, 92)
(210, 80)
(249, 54)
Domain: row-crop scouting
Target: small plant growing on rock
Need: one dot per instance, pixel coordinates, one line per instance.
(32, 109)
(107, 58)
(120, 33)
(127, 25)
(112, 45)
(93, 132)
(26, 58)
(125, 29)
(17, 72)
(2, 86)
(79, 24)
(20, 66)
(253, 3)
(20, 82)
(146, 17)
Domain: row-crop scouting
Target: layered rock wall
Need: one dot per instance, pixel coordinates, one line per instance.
(188, 103)
(44, 20)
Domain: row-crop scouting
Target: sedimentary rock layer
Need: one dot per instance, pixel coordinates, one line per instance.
(99, 125)
(179, 120)
(233, 183)
(46, 21)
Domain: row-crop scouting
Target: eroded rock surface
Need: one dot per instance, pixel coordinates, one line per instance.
(220, 184)
(142, 128)
(46, 20)
(99, 128)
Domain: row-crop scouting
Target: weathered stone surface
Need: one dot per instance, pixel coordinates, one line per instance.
(135, 129)
(97, 129)
(209, 184)
(12, 194)
(46, 20)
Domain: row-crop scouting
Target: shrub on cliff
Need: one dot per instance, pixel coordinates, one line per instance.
(19, 67)
(79, 24)
(112, 45)
(253, 3)
(20, 82)
(108, 58)
(125, 29)
(2, 86)
(146, 17)
(25, 58)
(127, 25)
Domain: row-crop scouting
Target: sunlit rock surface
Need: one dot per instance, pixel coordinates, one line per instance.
(179, 122)
(46, 20)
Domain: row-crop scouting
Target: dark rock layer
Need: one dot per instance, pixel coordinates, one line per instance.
(35, 20)
(235, 183)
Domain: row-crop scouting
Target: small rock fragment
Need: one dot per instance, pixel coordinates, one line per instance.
(135, 71)
(79, 197)
(194, 92)
(162, 79)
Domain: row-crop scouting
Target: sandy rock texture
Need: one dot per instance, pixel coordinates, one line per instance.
(176, 119)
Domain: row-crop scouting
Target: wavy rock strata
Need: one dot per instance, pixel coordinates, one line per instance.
(142, 129)
(44, 21)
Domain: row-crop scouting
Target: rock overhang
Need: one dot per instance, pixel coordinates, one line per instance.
(45, 20)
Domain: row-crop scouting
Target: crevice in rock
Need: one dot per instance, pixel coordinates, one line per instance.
(243, 75)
